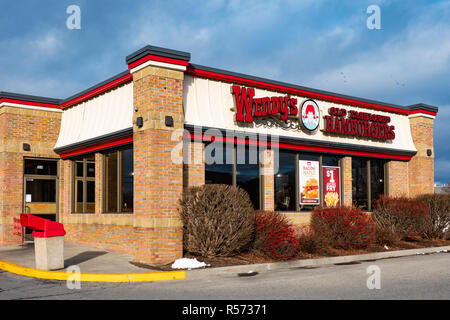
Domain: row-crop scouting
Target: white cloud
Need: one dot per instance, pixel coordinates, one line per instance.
(48, 43)
(413, 57)
(417, 57)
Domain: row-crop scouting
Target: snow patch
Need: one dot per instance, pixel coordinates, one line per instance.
(187, 263)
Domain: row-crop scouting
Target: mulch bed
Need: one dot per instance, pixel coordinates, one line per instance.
(253, 257)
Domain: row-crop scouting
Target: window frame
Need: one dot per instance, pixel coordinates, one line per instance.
(369, 182)
(234, 172)
(119, 179)
(84, 179)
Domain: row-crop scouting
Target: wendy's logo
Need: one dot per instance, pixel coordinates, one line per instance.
(310, 115)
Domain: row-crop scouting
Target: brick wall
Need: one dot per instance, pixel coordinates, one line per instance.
(398, 178)
(40, 129)
(194, 169)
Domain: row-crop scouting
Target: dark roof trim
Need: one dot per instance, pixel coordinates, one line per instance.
(193, 67)
(96, 140)
(117, 76)
(423, 106)
(25, 97)
(157, 51)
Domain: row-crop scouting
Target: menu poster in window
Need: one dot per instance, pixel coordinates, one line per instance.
(309, 182)
(331, 186)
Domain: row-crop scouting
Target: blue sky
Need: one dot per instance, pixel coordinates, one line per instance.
(319, 44)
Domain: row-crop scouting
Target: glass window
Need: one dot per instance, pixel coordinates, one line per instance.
(284, 181)
(84, 184)
(40, 167)
(79, 168)
(118, 181)
(127, 180)
(332, 161)
(367, 185)
(218, 170)
(247, 172)
(111, 165)
(41, 190)
(90, 169)
(359, 182)
(376, 178)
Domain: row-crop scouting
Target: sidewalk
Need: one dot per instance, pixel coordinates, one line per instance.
(90, 260)
(99, 265)
(95, 265)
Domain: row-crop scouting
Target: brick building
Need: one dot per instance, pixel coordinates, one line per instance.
(111, 162)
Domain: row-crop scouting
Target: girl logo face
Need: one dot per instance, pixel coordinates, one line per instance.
(310, 115)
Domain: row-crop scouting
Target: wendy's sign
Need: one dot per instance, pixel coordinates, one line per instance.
(279, 108)
(248, 107)
(361, 124)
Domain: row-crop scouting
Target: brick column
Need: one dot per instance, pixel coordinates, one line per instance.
(347, 181)
(268, 183)
(158, 180)
(421, 166)
(194, 170)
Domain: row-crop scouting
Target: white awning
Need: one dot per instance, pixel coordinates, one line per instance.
(105, 114)
(210, 104)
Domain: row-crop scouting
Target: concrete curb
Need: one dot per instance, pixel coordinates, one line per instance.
(264, 267)
(92, 277)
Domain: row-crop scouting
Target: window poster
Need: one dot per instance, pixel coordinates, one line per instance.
(309, 182)
(331, 186)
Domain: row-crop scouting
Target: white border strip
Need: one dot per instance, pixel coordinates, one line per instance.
(9, 104)
(158, 64)
(414, 115)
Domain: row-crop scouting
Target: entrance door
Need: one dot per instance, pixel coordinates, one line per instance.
(40, 195)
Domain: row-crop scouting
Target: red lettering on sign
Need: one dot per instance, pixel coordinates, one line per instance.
(246, 98)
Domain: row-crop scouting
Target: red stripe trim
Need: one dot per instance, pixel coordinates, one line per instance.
(98, 146)
(97, 91)
(295, 146)
(309, 94)
(30, 103)
(157, 58)
(423, 111)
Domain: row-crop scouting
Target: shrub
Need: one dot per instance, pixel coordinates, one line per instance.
(404, 217)
(385, 236)
(274, 236)
(310, 242)
(343, 227)
(439, 220)
(218, 220)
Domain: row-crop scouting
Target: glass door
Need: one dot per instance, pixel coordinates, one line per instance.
(40, 196)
